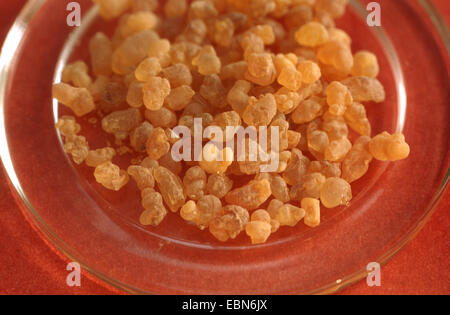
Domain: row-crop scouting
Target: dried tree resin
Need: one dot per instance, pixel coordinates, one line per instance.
(230, 63)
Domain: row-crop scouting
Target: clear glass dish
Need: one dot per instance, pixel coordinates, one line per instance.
(100, 229)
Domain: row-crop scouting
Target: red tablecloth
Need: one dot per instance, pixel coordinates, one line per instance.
(28, 265)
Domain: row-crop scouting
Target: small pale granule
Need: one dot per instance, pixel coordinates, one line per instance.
(111, 176)
(250, 196)
(287, 214)
(155, 90)
(77, 99)
(230, 224)
(68, 125)
(365, 64)
(155, 211)
(96, 157)
(207, 61)
(258, 231)
(335, 192)
(312, 34)
(171, 188)
(312, 211)
(387, 147)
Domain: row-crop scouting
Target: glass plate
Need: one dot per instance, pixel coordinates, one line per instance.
(99, 229)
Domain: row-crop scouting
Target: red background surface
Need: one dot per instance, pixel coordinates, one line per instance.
(28, 265)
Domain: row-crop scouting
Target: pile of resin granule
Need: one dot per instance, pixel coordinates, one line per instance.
(232, 63)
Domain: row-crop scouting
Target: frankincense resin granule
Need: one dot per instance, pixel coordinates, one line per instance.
(183, 64)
